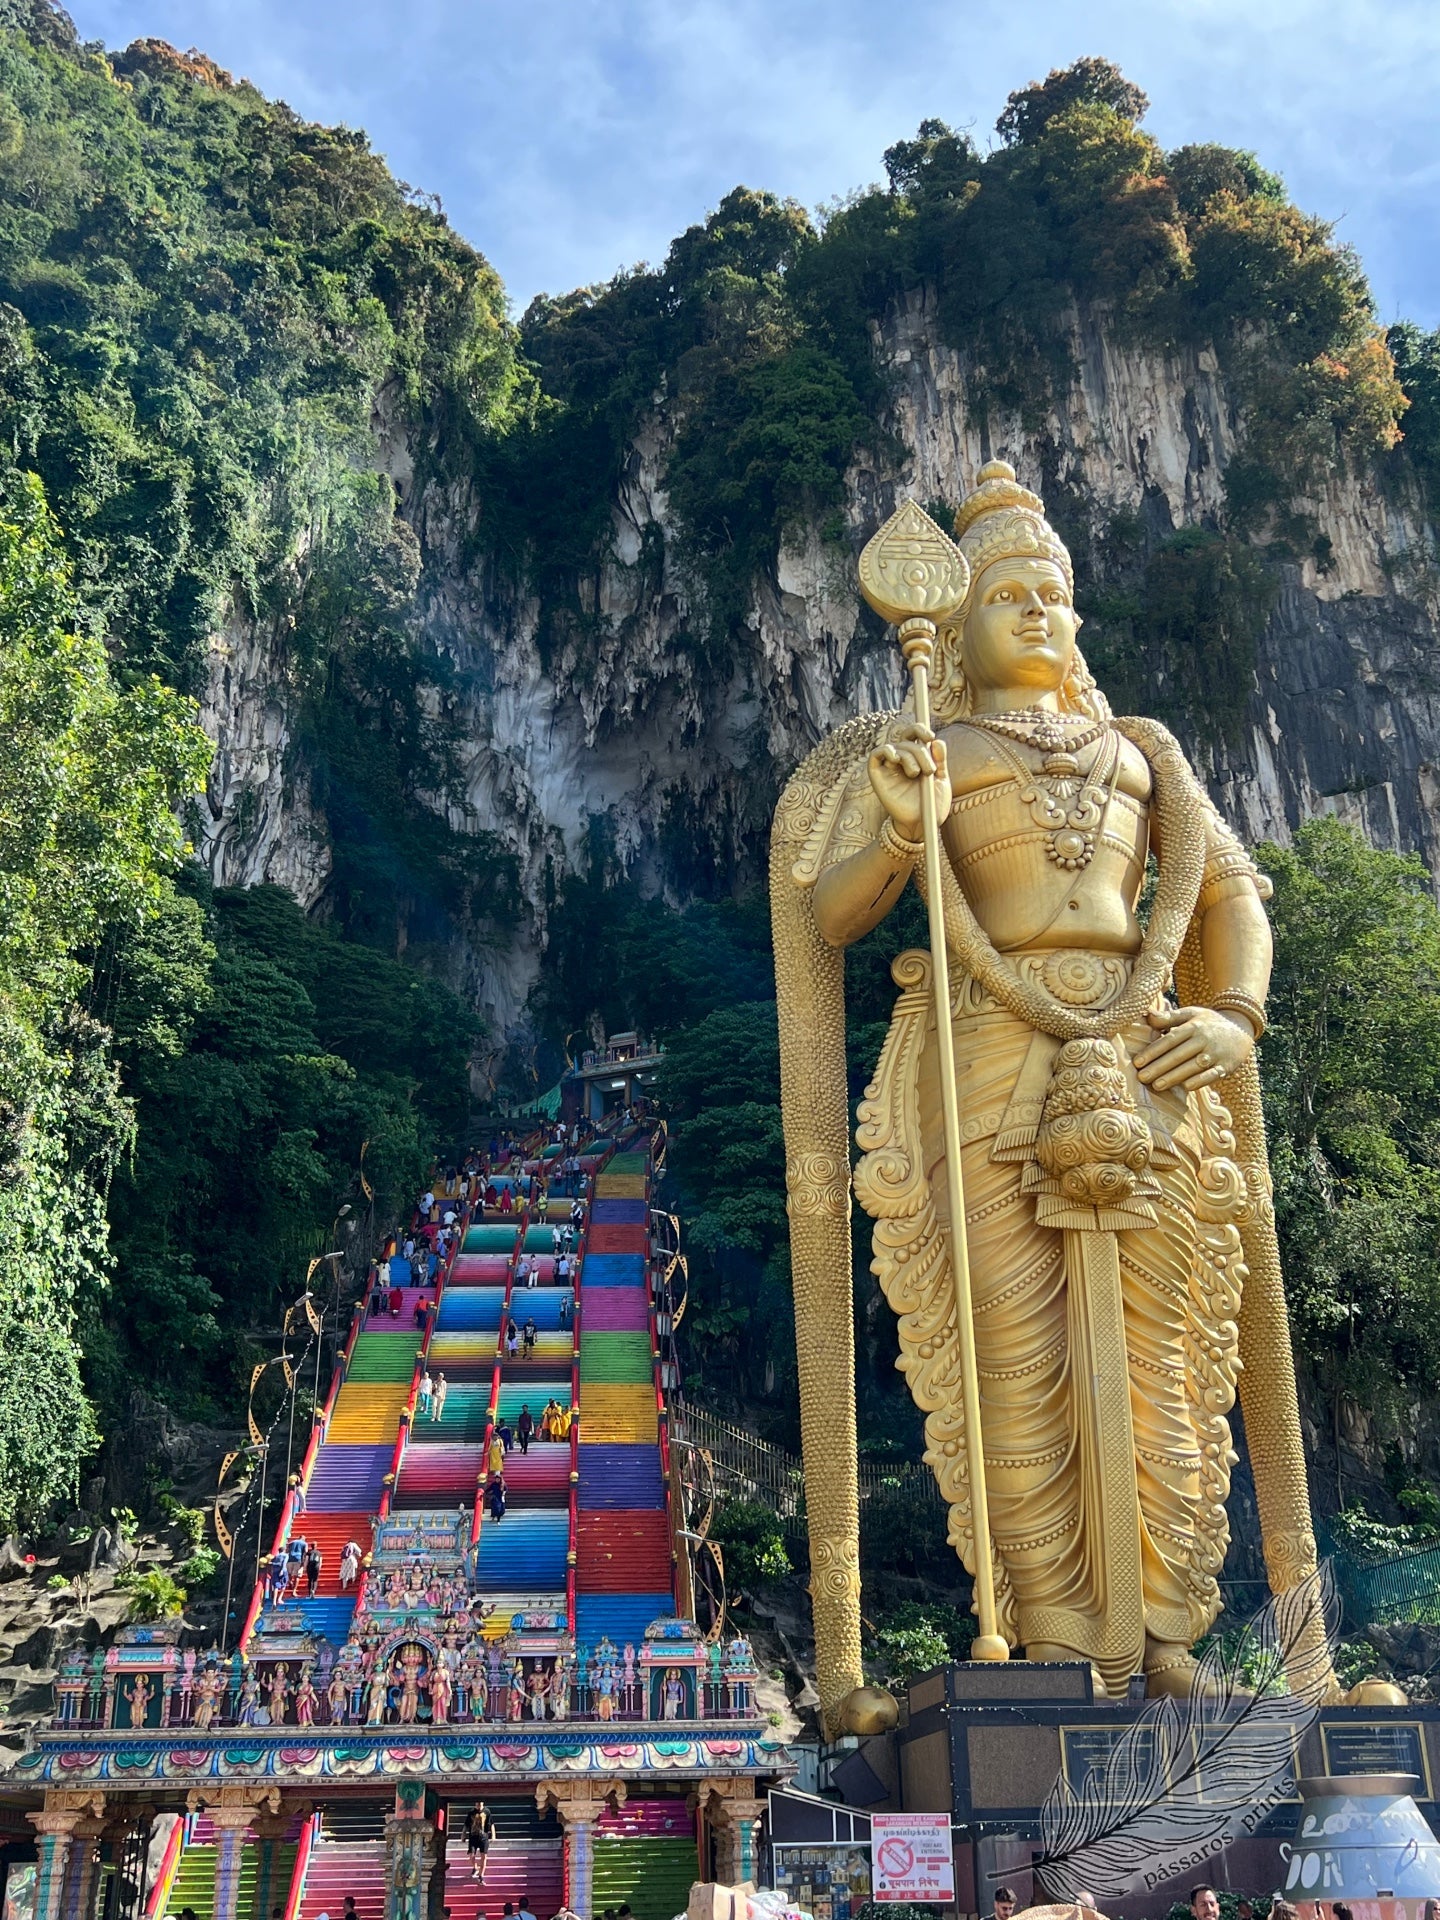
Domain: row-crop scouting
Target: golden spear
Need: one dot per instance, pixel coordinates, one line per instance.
(916, 578)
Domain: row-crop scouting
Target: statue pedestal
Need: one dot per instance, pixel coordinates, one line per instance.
(985, 1743)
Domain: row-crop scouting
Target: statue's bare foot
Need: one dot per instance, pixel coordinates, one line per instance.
(1051, 1651)
(1169, 1668)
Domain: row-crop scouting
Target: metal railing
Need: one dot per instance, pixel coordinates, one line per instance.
(748, 1468)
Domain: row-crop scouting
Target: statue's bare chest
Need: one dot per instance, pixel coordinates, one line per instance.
(1050, 845)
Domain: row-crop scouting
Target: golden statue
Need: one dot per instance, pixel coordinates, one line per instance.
(1113, 1266)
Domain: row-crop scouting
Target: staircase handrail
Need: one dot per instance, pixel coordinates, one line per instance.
(308, 1835)
(159, 1895)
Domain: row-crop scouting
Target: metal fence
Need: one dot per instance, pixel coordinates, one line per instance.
(748, 1468)
(1390, 1592)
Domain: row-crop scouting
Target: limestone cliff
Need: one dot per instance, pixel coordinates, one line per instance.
(632, 727)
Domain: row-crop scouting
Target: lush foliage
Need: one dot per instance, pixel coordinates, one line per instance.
(1352, 1082)
(916, 1635)
(749, 1536)
(265, 1054)
(90, 777)
(754, 343)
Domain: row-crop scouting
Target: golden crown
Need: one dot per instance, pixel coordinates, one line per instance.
(1001, 520)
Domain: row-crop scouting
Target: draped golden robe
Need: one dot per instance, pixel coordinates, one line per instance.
(1106, 1335)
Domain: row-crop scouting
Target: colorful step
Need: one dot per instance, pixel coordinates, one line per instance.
(619, 1476)
(620, 1415)
(619, 1617)
(620, 1551)
(437, 1476)
(618, 1212)
(463, 1356)
(615, 1359)
(470, 1310)
(616, 1310)
(652, 1876)
(613, 1270)
(367, 1414)
(526, 1549)
(348, 1479)
(494, 1238)
(463, 1418)
(330, 1531)
(478, 1270)
(605, 1238)
(383, 1358)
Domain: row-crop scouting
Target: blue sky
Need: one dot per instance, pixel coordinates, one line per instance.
(569, 138)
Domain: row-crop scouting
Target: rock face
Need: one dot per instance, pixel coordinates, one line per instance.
(683, 763)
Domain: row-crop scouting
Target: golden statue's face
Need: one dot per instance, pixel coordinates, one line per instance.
(1020, 631)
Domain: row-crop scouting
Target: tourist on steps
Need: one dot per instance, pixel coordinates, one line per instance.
(442, 1387)
(496, 1461)
(524, 1429)
(349, 1564)
(512, 1341)
(566, 1309)
(496, 1496)
(529, 1334)
(477, 1839)
(427, 1394)
(314, 1561)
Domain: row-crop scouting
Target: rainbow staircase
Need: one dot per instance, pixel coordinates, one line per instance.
(624, 1570)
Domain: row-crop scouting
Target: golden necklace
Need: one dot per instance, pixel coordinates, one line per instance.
(1072, 809)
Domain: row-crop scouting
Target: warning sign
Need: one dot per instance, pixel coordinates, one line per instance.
(911, 1857)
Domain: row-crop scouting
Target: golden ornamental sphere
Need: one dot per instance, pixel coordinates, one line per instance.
(869, 1710)
(1376, 1693)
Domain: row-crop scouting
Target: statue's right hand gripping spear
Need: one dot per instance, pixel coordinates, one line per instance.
(916, 578)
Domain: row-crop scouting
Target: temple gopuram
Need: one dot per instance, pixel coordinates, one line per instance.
(497, 1690)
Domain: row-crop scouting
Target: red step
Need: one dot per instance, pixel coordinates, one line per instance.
(332, 1530)
(338, 1867)
(531, 1872)
(622, 1550)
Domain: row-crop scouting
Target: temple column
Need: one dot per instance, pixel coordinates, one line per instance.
(736, 1819)
(409, 1854)
(231, 1825)
(84, 1864)
(54, 1833)
(580, 1804)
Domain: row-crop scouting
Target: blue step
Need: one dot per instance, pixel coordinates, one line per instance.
(542, 1305)
(329, 1619)
(613, 1270)
(524, 1552)
(618, 1616)
(627, 1477)
(470, 1310)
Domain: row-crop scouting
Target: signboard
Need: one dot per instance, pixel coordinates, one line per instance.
(1376, 1746)
(912, 1857)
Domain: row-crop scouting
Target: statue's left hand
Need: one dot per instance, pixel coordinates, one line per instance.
(1194, 1047)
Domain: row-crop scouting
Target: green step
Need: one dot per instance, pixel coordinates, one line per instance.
(628, 1163)
(194, 1882)
(615, 1359)
(387, 1358)
(499, 1238)
(463, 1418)
(265, 1898)
(653, 1875)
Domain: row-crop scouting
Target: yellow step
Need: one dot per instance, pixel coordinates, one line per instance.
(366, 1414)
(619, 1415)
(619, 1186)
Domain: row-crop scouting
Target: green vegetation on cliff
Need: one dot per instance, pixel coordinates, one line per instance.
(210, 311)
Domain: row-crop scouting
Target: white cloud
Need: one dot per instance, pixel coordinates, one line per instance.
(568, 139)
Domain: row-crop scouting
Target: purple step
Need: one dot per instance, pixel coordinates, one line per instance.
(614, 1310)
(348, 1479)
(615, 1476)
(633, 1213)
